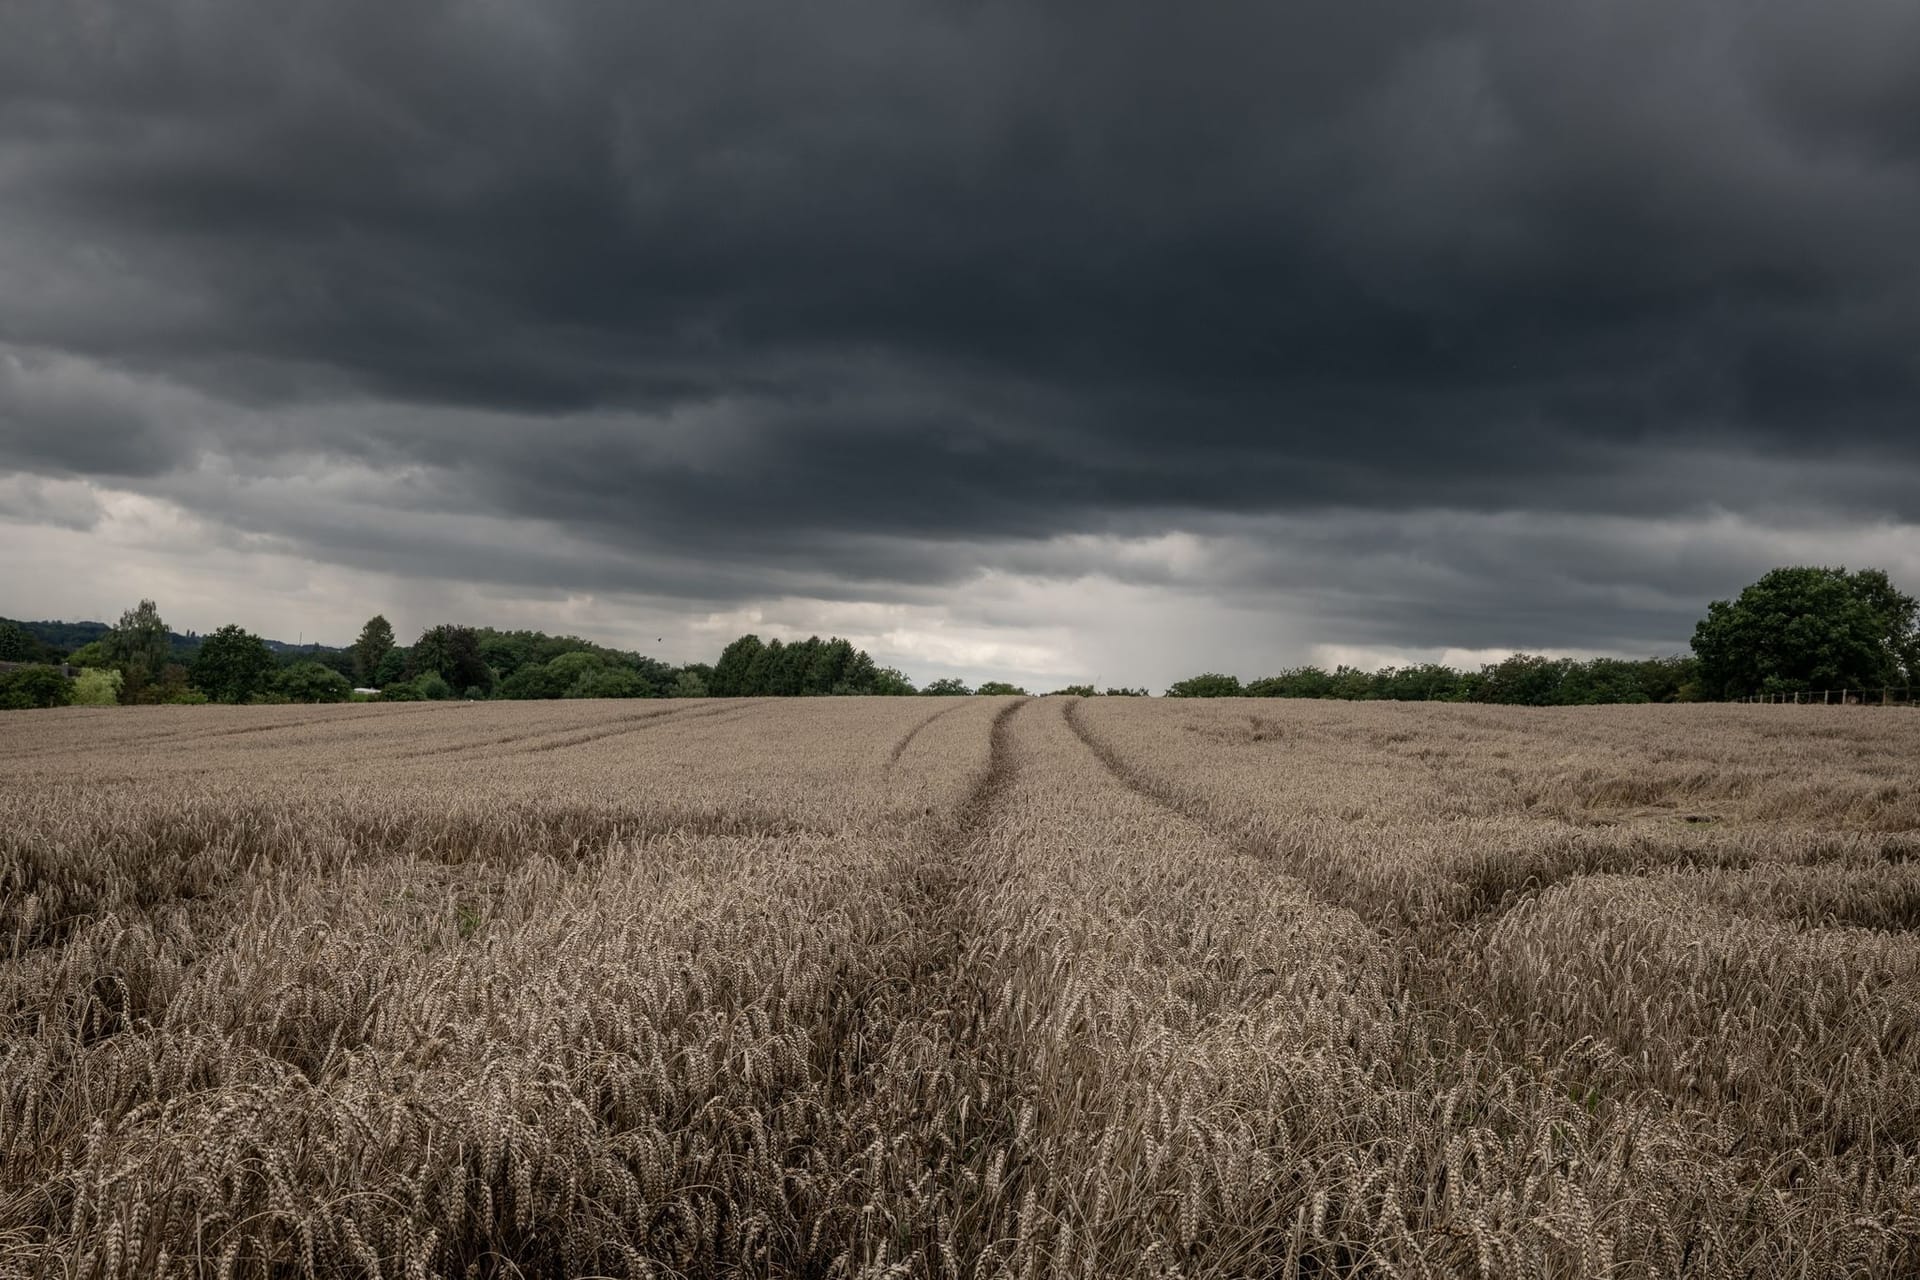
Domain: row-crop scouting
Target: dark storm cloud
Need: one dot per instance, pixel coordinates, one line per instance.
(855, 289)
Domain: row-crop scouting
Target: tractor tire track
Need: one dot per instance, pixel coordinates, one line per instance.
(919, 1010)
(900, 747)
(203, 734)
(492, 745)
(1243, 841)
(641, 724)
(1422, 950)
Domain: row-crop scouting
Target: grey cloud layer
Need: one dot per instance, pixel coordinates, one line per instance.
(844, 296)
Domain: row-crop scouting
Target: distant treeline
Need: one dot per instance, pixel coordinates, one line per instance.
(140, 660)
(1527, 680)
(1796, 629)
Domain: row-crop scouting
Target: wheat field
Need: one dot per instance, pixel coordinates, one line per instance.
(960, 988)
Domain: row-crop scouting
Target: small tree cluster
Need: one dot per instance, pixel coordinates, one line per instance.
(750, 668)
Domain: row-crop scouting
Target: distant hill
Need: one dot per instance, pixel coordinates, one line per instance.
(68, 636)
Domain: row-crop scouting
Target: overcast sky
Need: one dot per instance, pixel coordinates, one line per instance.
(1036, 340)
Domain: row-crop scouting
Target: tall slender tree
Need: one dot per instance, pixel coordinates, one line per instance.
(138, 645)
(375, 642)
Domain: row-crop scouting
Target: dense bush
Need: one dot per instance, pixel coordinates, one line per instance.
(1210, 685)
(312, 682)
(99, 687)
(32, 687)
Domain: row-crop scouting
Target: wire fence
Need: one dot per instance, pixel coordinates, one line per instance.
(1883, 696)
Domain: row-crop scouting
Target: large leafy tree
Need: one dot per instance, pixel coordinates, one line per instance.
(732, 674)
(139, 646)
(1807, 628)
(233, 665)
(393, 667)
(453, 653)
(31, 687)
(313, 682)
(17, 644)
(375, 642)
(139, 642)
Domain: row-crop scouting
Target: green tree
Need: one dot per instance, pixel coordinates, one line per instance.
(312, 682)
(1000, 689)
(656, 677)
(606, 681)
(453, 653)
(731, 675)
(17, 644)
(947, 687)
(374, 644)
(34, 687)
(891, 682)
(1075, 691)
(1210, 685)
(393, 667)
(95, 653)
(174, 688)
(539, 680)
(767, 674)
(1803, 628)
(96, 687)
(433, 687)
(1525, 679)
(139, 645)
(688, 684)
(233, 665)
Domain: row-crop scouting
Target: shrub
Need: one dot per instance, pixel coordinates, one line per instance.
(608, 682)
(34, 687)
(1210, 685)
(99, 687)
(312, 682)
